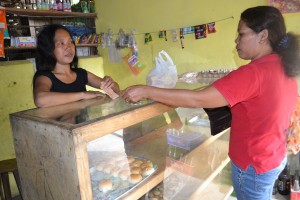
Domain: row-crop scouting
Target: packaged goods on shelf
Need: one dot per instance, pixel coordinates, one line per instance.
(23, 41)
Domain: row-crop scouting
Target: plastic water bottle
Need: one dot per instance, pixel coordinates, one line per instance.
(38, 4)
(65, 6)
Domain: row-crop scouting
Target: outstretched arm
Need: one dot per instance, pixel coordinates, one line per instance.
(208, 97)
(102, 83)
(43, 97)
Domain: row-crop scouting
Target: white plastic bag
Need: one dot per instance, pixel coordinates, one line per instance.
(164, 73)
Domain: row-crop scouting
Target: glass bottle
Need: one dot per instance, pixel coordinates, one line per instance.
(59, 5)
(275, 187)
(84, 6)
(283, 184)
(92, 6)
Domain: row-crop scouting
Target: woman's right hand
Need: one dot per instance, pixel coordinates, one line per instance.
(107, 82)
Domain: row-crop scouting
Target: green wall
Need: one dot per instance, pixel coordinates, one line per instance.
(16, 95)
(217, 51)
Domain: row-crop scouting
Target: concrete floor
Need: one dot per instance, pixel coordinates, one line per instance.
(275, 197)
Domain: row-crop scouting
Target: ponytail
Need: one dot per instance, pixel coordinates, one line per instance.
(288, 49)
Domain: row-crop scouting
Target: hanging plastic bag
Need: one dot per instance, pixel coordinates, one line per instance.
(164, 73)
(293, 131)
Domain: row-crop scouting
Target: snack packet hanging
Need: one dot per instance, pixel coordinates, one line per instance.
(3, 27)
(174, 35)
(133, 62)
(148, 38)
(200, 31)
(211, 28)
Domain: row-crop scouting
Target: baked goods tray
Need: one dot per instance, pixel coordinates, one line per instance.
(169, 188)
(113, 179)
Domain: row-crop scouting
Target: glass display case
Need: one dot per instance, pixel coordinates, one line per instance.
(111, 149)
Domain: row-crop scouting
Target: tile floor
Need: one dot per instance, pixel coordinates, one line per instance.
(275, 197)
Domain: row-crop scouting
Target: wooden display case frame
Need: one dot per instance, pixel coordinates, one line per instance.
(53, 160)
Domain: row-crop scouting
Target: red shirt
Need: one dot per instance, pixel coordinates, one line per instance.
(262, 99)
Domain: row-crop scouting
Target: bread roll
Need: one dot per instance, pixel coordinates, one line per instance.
(105, 185)
(112, 162)
(147, 171)
(135, 178)
(136, 170)
(124, 174)
(115, 171)
(146, 164)
(130, 159)
(137, 163)
(107, 168)
(99, 167)
(122, 163)
(120, 158)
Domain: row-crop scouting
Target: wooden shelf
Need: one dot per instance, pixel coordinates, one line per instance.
(28, 48)
(39, 18)
(47, 13)
(87, 45)
(18, 48)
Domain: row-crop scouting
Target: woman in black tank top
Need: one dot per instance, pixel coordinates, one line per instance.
(58, 80)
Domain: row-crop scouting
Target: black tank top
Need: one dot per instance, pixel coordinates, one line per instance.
(58, 86)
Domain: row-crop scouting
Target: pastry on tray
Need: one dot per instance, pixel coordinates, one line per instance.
(113, 178)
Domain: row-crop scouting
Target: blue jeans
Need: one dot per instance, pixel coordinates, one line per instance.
(248, 185)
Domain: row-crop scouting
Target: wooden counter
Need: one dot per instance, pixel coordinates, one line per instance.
(54, 158)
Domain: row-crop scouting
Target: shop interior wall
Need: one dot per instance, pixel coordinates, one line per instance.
(217, 51)
(16, 95)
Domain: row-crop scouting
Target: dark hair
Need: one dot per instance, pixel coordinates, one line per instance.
(45, 59)
(284, 44)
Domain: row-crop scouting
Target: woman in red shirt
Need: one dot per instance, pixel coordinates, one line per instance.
(261, 96)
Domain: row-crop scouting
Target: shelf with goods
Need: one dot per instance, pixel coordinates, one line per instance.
(86, 122)
(48, 13)
(27, 23)
(33, 47)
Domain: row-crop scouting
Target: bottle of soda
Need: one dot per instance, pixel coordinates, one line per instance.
(283, 184)
(275, 187)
